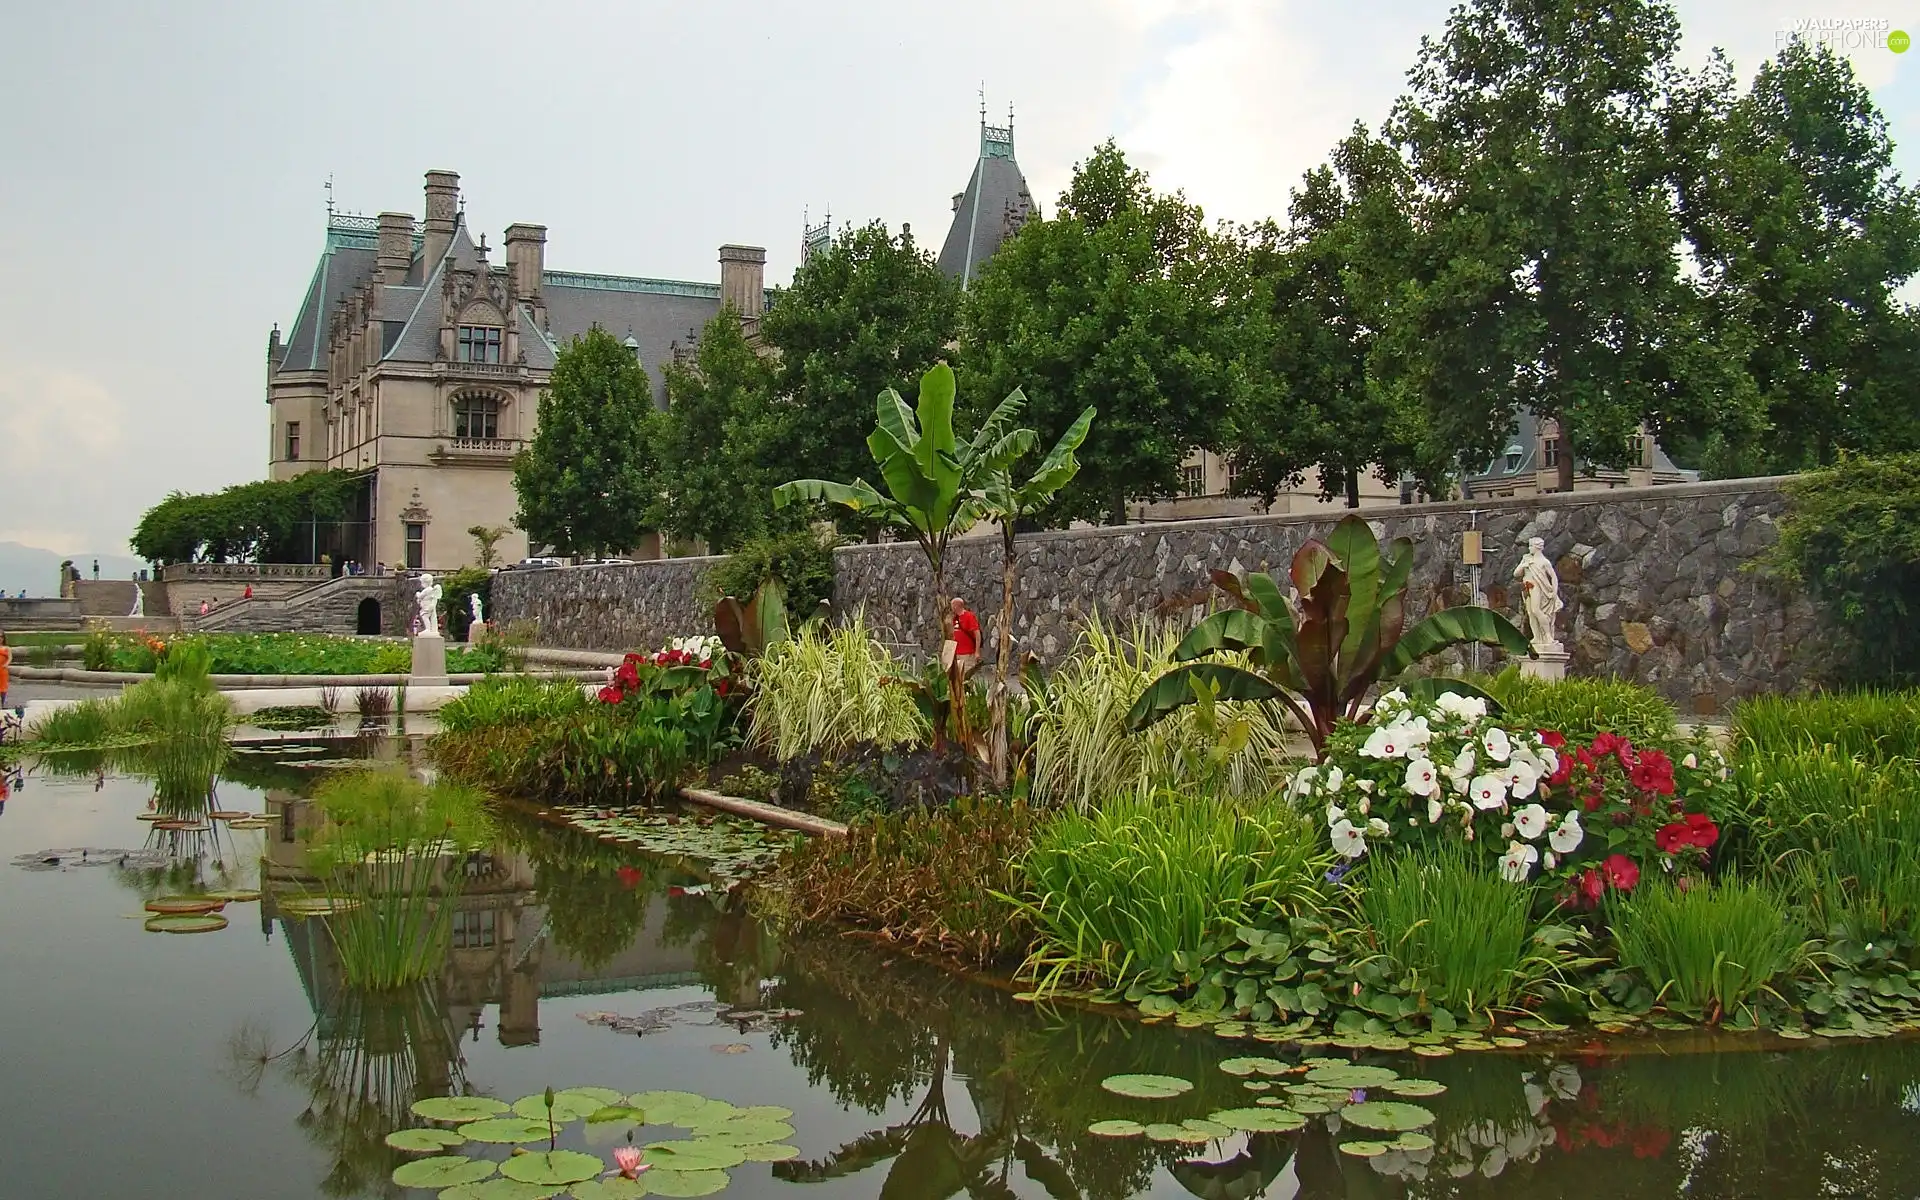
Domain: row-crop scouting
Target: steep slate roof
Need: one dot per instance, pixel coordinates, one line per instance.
(1526, 435)
(657, 312)
(995, 203)
(343, 269)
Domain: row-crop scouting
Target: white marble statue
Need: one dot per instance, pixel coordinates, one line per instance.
(139, 601)
(473, 602)
(1539, 594)
(429, 599)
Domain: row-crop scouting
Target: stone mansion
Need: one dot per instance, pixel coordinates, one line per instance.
(417, 361)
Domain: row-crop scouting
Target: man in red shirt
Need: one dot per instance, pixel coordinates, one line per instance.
(965, 633)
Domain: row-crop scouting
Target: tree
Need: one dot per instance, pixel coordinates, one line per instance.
(486, 543)
(870, 313)
(1549, 277)
(590, 478)
(933, 479)
(268, 520)
(1313, 390)
(1124, 300)
(717, 437)
(1803, 231)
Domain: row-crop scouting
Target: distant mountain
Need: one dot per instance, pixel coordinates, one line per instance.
(38, 570)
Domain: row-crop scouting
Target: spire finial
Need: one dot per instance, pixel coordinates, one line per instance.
(329, 196)
(983, 104)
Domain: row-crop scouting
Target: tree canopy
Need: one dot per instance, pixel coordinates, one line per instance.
(590, 478)
(268, 520)
(718, 439)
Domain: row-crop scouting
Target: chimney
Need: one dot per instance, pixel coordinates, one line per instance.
(443, 214)
(526, 260)
(396, 247)
(743, 279)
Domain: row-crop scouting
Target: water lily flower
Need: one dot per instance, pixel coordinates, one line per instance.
(1567, 835)
(1520, 778)
(1518, 862)
(1530, 822)
(1499, 745)
(626, 1162)
(1422, 778)
(1348, 840)
(1487, 791)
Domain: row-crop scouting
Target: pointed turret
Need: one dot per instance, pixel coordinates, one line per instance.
(994, 206)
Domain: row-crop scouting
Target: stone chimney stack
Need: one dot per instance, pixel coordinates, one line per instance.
(443, 214)
(396, 247)
(743, 280)
(526, 259)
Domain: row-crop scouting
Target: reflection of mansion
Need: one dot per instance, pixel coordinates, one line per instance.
(418, 360)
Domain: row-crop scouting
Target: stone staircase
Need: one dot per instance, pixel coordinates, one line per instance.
(335, 606)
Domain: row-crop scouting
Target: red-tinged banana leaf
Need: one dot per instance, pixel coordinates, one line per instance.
(1452, 627)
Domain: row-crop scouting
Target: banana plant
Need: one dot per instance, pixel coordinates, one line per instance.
(750, 629)
(1349, 632)
(934, 480)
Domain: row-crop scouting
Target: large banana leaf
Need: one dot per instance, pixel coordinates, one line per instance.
(1451, 627)
(1353, 544)
(1175, 689)
(860, 496)
(1232, 629)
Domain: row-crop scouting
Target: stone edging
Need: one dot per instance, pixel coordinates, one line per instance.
(242, 682)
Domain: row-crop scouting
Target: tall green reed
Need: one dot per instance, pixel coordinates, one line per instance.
(1457, 929)
(1712, 948)
(512, 700)
(829, 690)
(1141, 886)
(1874, 725)
(1583, 708)
(1083, 753)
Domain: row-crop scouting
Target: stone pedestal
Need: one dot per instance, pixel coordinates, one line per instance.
(429, 661)
(1549, 662)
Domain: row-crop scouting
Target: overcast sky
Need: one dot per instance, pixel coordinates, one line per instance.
(162, 164)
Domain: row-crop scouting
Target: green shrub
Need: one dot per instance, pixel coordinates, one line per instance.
(800, 559)
(829, 690)
(1851, 535)
(1141, 886)
(273, 654)
(1458, 930)
(1709, 950)
(1584, 708)
(512, 700)
(96, 653)
(935, 878)
(1083, 753)
(1874, 725)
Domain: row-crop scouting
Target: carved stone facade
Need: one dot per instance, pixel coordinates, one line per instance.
(416, 360)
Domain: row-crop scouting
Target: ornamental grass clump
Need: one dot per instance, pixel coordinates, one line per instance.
(1153, 886)
(1457, 932)
(1084, 753)
(1710, 949)
(1878, 726)
(1583, 709)
(512, 700)
(829, 690)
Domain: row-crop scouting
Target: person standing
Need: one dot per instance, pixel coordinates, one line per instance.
(96, 568)
(6, 662)
(964, 633)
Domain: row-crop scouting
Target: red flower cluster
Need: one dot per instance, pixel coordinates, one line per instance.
(626, 678)
(1616, 871)
(1635, 791)
(1694, 829)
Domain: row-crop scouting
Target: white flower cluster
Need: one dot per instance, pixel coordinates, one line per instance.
(701, 646)
(1455, 766)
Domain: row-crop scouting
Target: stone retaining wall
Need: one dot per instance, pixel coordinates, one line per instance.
(1655, 582)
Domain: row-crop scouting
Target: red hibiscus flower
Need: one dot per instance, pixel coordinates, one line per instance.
(720, 688)
(1554, 738)
(1701, 831)
(1672, 838)
(628, 676)
(1592, 886)
(1621, 872)
(611, 695)
(633, 658)
(1652, 772)
(1609, 743)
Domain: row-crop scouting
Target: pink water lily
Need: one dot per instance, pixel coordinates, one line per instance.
(627, 1160)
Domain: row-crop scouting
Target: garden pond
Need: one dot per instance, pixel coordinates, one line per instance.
(239, 1062)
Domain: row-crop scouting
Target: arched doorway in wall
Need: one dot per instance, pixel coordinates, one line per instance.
(368, 618)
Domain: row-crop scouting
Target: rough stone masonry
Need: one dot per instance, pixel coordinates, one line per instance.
(1658, 583)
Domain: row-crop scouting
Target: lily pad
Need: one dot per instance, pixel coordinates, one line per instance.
(613, 1188)
(1364, 1149)
(1257, 1085)
(1164, 1131)
(1413, 1087)
(770, 1152)
(424, 1141)
(745, 1133)
(666, 1108)
(1116, 1129)
(1433, 1051)
(599, 1095)
(1259, 1120)
(249, 823)
(1411, 1140)
(1253, 1065)
(1352, 1075)
(1270, 1101)
(626, 1113)
(222, 814)
(458, 1108)
(444, 1171)
(236, 895)
(553, 1168)
(317, 906)
(1147, 1087)
(186, 905)
(506, 1131)
(1388, 1116)
(1510, 1043)
(567, 1107)
(1212, 1129)
(1311, 1106)
(764, 1112)
(700, 1154)
(501, 1189)
(685, 1183)
(186, 923)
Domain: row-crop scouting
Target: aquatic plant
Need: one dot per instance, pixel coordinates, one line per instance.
(830, 690)
(1083, 752)
(183, 708)
(1149, 887)
(292, 718)
(1453, 926)
(1710, 949)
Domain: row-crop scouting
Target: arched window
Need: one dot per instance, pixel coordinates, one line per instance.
(476, 417)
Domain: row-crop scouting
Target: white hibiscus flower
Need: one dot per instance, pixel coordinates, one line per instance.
(1549, 761)
(1336, 779)
(1499, 745)
(1304, 780)
(1567, 835)
(1487, 791)
(1517, 863)
(1348, 840)
(1467, 708)
(1690, 762)
(1335, 814)
(1378, 828)
(1434, 811)
(1521, 779)
(1386, 741)
(1365, 785)
(1422, 778)
(1531, 821)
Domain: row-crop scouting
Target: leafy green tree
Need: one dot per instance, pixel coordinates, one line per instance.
(268, 520)
(590, 478)
(1803, 231)
(1549, 278)
(716, 438)
(1124, 300)
(870, 313)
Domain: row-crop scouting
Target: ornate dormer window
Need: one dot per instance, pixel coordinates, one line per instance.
(478, 343)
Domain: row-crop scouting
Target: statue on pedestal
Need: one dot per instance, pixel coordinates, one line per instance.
(473, 602)
(1539, 595)
(139, 601)
(429, 601)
